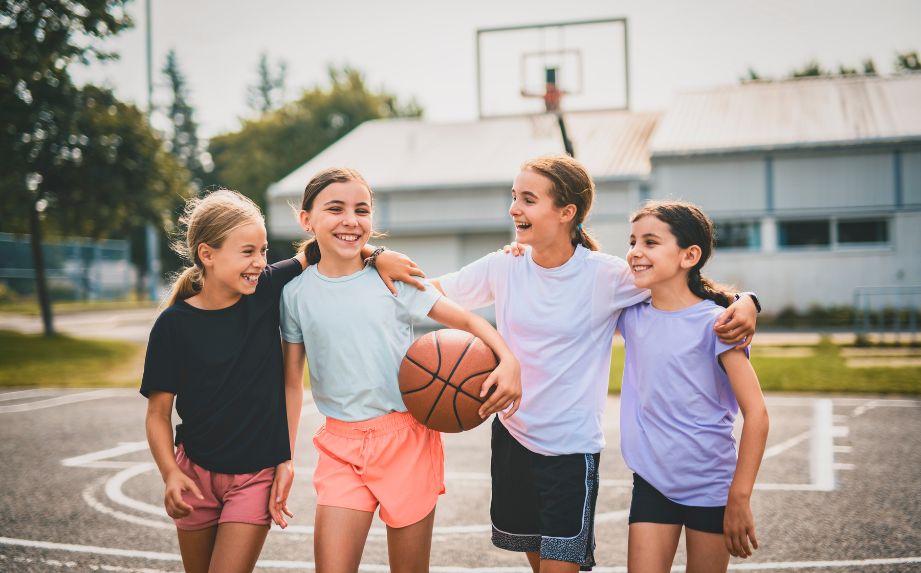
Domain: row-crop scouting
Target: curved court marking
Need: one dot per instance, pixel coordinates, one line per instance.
(114, 484)
(278, 564)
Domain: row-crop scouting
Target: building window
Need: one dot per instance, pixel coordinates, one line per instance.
(738, 235)
(871, 231)
(815, 233)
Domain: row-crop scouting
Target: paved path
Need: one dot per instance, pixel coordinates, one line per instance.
(838, 491)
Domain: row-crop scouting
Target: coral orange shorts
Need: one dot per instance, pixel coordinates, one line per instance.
(238, 498)
(392, 461)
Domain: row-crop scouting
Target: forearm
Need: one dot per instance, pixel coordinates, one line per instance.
(751, 450)
(480, 327)
(294, 357)
(160, 440)
(294, 402)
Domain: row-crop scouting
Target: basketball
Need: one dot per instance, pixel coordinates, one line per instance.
(441, 377)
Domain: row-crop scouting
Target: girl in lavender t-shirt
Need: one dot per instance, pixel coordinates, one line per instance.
(681, 391)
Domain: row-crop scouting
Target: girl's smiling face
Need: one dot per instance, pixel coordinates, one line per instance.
(655, 256)
(537, 219)
(340, 219)
(235, 266)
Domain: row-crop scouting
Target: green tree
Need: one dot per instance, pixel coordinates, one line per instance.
(810, 69)
(182, 137)
(907, 62)
(268, 92)
(267, 148)
(39, 39)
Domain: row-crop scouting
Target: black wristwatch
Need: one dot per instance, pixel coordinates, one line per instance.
(753, 296)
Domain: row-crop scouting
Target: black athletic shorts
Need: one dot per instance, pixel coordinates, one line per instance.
(649, 505)
(543, 504)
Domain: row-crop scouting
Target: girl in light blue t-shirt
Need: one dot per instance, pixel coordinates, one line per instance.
(682, 389)
(371, 452)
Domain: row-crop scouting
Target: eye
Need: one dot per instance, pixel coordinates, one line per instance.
(334, 209)
(363, 211)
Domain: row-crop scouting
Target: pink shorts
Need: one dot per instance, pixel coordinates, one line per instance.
(238, 498)
(392, 461)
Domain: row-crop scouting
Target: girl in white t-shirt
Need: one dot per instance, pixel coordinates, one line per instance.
(557, 307)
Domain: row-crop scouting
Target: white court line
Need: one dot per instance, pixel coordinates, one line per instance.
(61, 401)
(121, 449)
(822, 454)
(279, 564)
(91, 501)
(23, 394)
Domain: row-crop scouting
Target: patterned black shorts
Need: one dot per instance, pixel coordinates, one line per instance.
(543, 504)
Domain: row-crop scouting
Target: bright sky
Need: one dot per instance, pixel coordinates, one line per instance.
(426, 49)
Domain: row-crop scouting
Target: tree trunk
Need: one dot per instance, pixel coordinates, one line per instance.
(38, 262)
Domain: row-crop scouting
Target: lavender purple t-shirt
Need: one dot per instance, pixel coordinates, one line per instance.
(677, 406)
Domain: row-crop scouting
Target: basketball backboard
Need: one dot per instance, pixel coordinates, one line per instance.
(587, 60)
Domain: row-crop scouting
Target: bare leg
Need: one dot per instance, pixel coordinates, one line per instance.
(534, 561)
(707, 552)
(196, 547)
(552, 566)
(651, 547)
(339, 538)
(410, 547)
(237, 547)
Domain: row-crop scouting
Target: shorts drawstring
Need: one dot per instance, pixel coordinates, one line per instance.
(365, 451)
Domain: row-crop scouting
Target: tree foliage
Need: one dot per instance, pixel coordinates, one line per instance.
(182, 137)
(267, 148)
(905, 62)
(39, 39)
(268, 92)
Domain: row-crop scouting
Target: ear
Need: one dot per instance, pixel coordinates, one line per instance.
(567, 213)
(206, 255)
(304, 217)
(690, 256)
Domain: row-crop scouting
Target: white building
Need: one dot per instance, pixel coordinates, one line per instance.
(815, 184)
(442, 191)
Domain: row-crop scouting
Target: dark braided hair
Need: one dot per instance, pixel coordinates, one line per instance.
(691, 227)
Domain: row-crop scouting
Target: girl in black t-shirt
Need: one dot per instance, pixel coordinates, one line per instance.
(216, 351)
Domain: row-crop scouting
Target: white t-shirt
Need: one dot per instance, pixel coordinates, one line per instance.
(559, 323)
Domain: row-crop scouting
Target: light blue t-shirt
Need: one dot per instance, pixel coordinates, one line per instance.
(356, 333)
(677, 406)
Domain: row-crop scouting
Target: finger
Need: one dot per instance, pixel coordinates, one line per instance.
(287, 511)
(190, 485)
(416, 272)
(512, 408)
(753, 537)
(746, 342)
(412, 281)
(507, 249)
(390, 286)
(727, 542)
(490, 381)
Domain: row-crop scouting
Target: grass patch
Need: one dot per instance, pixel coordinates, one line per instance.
(70, 307)
(825, 371)
(61, 361)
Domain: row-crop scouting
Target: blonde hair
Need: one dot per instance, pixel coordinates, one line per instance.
(572, 185)
(208, 220)
(318, 183)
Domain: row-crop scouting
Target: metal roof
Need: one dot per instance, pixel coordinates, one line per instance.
(801, 113)
(406, 154)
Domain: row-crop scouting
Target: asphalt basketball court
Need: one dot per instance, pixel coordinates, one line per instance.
(838, 491)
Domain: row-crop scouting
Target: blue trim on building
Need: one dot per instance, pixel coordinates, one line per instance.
(769, 183)
(897, 178)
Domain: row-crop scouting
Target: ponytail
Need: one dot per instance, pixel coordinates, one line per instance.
(582, 237)
(186, 284)
(705, 288)
(311, 250)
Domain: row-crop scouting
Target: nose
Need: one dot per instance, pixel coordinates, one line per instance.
(514, 209)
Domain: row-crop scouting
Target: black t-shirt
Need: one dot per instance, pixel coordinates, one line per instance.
(225, 368)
